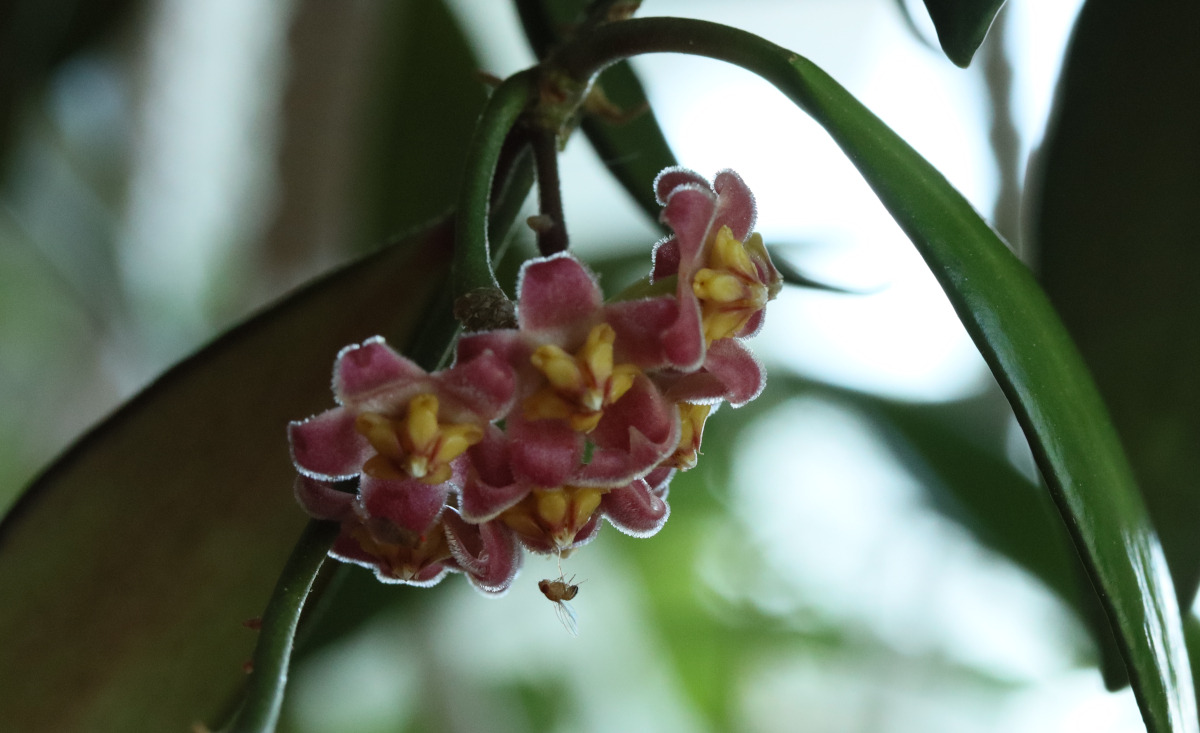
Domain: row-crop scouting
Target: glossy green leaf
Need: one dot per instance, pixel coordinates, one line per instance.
(129, 566)
(1118, 233)
(962, 25)
(1034, 360)
(1015, 328)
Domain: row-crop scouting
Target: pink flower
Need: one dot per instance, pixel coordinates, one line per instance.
(403, 433)
(581, 387)
(396, 554)
(488, 554)
(725, 277)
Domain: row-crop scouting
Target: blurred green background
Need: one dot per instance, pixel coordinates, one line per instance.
(864, 548)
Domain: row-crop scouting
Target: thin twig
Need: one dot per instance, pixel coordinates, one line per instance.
(552, 229)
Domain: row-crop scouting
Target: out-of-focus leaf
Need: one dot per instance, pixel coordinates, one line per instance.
(712, 640)
(1118, 228)
(966, 481)
(127, 568)
(1004, 510)
(423, 109)
(634, 151)
(962, 25)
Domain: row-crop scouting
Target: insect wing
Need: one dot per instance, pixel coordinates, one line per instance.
(566, 614)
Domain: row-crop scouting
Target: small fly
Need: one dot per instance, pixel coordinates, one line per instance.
(559, 592)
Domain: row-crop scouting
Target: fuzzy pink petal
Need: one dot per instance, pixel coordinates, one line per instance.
(490, 488)
(635, 509)
(488, 553)
(556, 292)
(731, 362)
(672, 178)
(490, 458)
(643, 408)
(665, 257)
(322, 501)
(362, 369)
(640, 325)
(484, 385)
(544, 452)
(699, 387)
(347, 549)
(735, 205)
(683, 342)
(659, 481)
(429, 576)
(688, 213)
(753, 326)
(410, 505)
(635, 435)
(327, 447)
(505, 343)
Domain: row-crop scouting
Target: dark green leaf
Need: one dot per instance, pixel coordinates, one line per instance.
(634, 151)
(1033, 358)
(1018, 333)
(129, 565)
(962, 25)
(1118, 229)
(422, 111)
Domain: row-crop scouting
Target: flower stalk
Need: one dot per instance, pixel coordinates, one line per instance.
(550, 225)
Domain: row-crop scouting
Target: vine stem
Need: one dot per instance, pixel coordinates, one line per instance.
(552, 233)
(472, 268)
(264, 690)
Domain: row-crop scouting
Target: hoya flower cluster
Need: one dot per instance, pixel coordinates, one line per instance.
(535, 434)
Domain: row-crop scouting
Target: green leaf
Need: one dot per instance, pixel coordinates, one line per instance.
(1119, 242)
(1016, 330)
(421, 112)
(131, 563)
(634, 151)
(962, 25)
(1034, 360)
(1003, 509)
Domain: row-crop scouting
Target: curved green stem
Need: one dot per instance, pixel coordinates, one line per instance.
(264, 690)
(472, 268)
(1012, 323)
